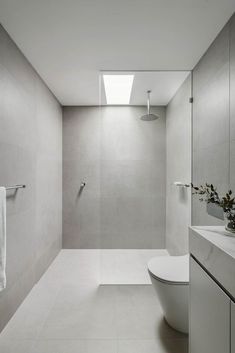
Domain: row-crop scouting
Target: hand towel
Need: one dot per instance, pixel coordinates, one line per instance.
(2, 238)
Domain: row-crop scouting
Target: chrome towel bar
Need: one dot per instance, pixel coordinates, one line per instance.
(179, 183)
(20, 186)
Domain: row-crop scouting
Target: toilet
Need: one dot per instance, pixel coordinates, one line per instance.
(170, 278)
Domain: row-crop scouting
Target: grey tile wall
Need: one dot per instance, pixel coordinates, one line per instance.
(214, 119)
(232, 103)
(30, 153)
(178, 162)
(81, 162)
(122, 159)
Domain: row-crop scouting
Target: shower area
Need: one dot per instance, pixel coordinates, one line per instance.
(121, 159)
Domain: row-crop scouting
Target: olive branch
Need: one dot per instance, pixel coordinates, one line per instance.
(209, 194)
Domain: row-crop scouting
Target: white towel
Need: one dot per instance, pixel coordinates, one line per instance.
(2, 238)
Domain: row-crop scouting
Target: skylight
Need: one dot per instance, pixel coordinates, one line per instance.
(118, 88)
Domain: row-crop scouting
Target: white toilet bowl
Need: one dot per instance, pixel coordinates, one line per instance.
(170, 278)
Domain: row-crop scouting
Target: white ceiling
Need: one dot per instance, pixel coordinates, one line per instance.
(69, 41)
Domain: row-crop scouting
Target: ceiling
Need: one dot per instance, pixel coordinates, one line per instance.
(69, 41)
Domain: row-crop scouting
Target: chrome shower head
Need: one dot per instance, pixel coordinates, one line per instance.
(149, 116)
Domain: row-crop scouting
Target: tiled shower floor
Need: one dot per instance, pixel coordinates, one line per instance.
(69, 312)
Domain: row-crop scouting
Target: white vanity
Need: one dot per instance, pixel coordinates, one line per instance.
(212, 290)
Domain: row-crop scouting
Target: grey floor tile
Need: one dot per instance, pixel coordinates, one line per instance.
(67, 312)
(16, 346)
(60, 346)
(91, 318)
(27, 321)
(75, 346)
(101, 346)
(139, 315)
(151, 346)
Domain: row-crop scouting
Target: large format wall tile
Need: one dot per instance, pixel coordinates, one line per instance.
(122, 160)
(81, 223)
(211, 94)
(211, 165)
(232, 104)
(232, 78)
(178, 166)
(81, 163)
(232, 165)
(135, 178)
(136, 222)
(81, 134)
(213, 120)
(126, 137)
(30, 153)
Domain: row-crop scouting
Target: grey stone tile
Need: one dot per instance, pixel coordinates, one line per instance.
(74, 173)
(93, 319)
(212, 165)
(126, 137)
(14, 294)
(73, 268)
(232, 78)
(81, 134)
(82, 316)
(19, 346)
(232, 165)
(31, 154)
(48, 219)
(80, 240)
(123, 161)
(139, 315)
(211, 94)
(127, 178)
(150, 346)
(81, 224)
(212, 61)
(101, 346)
(133, 222)
(75, 346)
(16, 63)
(28, 319)
(59, 346)
(45, 258)
(132, 214)
(209, 165)
(178, 166)
(125, 240)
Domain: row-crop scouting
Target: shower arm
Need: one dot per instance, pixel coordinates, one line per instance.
(148, 102)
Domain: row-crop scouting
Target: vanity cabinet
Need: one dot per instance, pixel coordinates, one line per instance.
(212, 290)
(232, 327)
(209, 314)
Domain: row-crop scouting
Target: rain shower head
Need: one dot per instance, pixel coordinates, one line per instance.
(149, 116)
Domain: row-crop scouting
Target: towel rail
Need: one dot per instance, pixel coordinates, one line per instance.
(179, 183)
(20, 186)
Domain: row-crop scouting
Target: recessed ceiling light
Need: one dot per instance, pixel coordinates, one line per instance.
(118, 88)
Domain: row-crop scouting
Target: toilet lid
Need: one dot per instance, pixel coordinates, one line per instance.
(171, 269)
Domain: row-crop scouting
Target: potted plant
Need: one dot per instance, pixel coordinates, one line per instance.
(209, 194)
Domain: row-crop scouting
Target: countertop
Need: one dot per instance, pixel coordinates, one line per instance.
(214, 248)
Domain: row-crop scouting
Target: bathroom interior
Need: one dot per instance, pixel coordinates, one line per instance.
(117, 157)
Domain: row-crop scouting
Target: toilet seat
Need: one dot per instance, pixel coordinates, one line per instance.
(170, 269)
